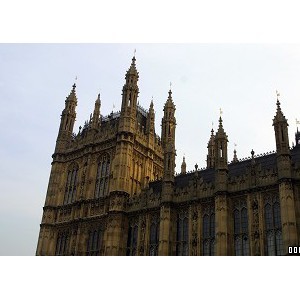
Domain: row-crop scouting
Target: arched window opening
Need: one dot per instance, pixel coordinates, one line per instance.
(102, 178)
(273, 230)
(67, 123)
(94, 243)
(132, 240)
(154, 238)
(240, 223)
(208, 234)
(71, 183)
(62, 244)
(182, 240)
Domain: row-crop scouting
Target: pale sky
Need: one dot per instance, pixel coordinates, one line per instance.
(35, 79)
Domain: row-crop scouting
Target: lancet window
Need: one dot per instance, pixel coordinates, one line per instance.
(154, 237)
(62, 244)
(102, 179)
(94, 242)
(273, 230)
(241, 233)
(71, 184)
(182, 239)
(132, 240)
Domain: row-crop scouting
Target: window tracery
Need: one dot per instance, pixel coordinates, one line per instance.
(273, 230)
(71, 184)
(154, 237)
(208, 229)
(182, 239)
(94, 243)
(102, 179)
(241, 233)
(132, 239)
(62, 244)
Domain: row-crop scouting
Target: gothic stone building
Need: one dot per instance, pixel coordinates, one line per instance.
(113, 189)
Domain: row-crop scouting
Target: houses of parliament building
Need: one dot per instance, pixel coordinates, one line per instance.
(113, 188)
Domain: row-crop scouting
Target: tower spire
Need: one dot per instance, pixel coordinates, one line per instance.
(183, 166)
(96, 113)
(68, 117)
(130, 93)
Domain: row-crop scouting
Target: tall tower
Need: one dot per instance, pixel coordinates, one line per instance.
(126, 131)
(222, 209)
(286, 192)
(168, 143)
(47, 236)
(68, 117)
(122, 165)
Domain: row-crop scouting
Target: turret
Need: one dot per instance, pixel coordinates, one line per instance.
(210, 161)
(281, 131)
(168, 139)
(96, 114)
(150, 120)
(235, 158)
(129, 99)
(68, 117)
(183, 166)
(282, 143)
(221, 165)
(286, 191)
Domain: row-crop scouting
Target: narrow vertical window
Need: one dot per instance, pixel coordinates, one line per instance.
(154, 237)
(62, 244)
(94, 243)
(102, 177)
(208, 233)
(132, 240)
(240, 223)
(182, 241)
(273, 230)
(71, 183)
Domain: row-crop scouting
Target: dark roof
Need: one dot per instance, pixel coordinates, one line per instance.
(266, 161)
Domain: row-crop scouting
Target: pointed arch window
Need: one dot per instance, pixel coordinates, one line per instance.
(62, 244)
(94, 243)
(240, 224)
(208, 234)
(102, 178)
(154, 237)
(273, 230)
(132, 240)
(71, 184)
(182, 240)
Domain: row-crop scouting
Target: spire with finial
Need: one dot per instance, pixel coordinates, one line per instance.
(150, 118)
(279, 114)
(220, 148)
(132, 69)
(68, 117)
(183, 166)
(281, 130)
(235, 159)
(211, 149)
(96, 114)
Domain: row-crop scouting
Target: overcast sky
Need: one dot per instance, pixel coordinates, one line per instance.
(35, 79)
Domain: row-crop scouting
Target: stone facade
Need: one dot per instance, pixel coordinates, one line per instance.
(113, 189)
